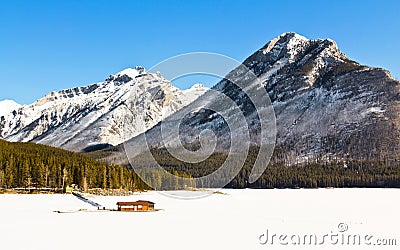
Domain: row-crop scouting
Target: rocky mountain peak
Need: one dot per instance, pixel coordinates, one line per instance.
(288, 41)
(126, 75)
(291, 55)
(291, 43)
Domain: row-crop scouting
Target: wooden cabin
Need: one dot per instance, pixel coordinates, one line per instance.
(136, 206)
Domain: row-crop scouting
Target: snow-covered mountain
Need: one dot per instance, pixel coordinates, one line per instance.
(8, 106)
(326, 105)
(93, 116)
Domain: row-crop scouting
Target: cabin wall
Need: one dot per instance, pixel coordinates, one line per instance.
(137, 207)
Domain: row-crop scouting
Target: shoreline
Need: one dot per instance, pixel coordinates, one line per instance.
(118, 192)
(99, 192)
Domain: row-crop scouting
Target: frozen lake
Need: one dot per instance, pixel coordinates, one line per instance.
(239, 219)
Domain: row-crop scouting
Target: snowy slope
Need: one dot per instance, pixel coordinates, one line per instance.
(83, 117)
(8, 106)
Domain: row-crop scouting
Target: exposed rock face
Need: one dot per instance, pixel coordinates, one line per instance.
(94, 116)
(326, 105)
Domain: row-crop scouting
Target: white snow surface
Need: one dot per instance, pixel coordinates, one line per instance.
(8, 106)
(231, 221)
(131, 72)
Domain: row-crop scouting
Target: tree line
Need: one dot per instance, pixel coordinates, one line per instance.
(321, 172)
(27, 164)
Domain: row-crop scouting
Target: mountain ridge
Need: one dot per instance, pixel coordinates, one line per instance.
(82, 117)
(327, 106)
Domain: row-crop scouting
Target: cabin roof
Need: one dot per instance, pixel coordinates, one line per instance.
(134, 203)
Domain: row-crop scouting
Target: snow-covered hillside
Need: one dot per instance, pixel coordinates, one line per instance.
(8, 106)
(83, 117)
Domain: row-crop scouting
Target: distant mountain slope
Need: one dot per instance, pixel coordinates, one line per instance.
(94, 116)
(327, 106)
(8, 106)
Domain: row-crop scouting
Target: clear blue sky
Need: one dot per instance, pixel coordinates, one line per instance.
(52, 45)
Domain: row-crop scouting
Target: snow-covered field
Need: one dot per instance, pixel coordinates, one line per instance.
(237, 220)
